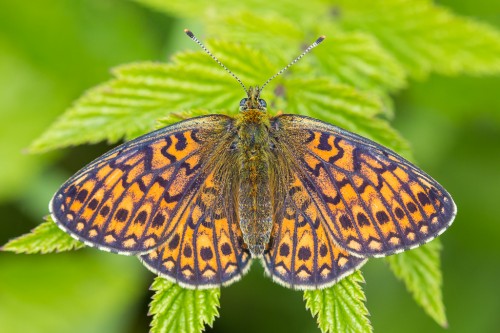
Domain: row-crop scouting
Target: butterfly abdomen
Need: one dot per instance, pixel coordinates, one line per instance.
(254, 201)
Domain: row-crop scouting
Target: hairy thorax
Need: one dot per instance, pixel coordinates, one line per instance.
(254, 203)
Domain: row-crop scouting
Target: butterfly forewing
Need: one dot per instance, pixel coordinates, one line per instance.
(372, 201)
(131, 199)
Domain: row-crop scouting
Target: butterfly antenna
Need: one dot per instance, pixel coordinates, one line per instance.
(197, 41)
(306, 51)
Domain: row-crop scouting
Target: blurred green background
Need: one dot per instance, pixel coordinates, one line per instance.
(53, 50)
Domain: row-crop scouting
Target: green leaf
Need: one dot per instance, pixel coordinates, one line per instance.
(342, 106)
(129, 105)
(340, 308)
(212, 11)
(420, 270)
(353, 58)
(176, 309)
(251, 65)
(175, 117)
(45, 238)
(357, 59)
(271, 32)
(425, 37)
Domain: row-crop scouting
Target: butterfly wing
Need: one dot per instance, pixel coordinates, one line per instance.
(301, 254)
(206, 249)
(131, 199)
(373, 202)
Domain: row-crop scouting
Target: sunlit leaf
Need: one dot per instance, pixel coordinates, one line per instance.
(422, 36)
(45, 238)
(357, 59)
(175, 309)
(215, 9)
(425, 37)
(420, 270)
(340, 308)
(353, 58)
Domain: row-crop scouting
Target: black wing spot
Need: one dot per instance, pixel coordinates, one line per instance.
(93, 204)
(345, 222)
(304, 253)
(158, 220)
(71, 191)
(174, 242)
(82, 195)
(323, 250)
(362, 220)
(382, 217)
(284, 250)
(399, 213)
(411, 207)
(188, 252)
(226, 249)
(121, 215)
(206, 253)
(424, 200)
(104, 211)
(141, 217)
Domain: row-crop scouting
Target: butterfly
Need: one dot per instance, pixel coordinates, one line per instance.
(199, 200)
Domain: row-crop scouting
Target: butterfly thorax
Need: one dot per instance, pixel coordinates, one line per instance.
(254, 201)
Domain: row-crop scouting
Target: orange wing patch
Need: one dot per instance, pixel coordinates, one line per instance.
(373, 202)
(129, 200)
(301, 254)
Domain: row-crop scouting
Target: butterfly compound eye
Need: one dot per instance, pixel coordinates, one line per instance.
(262, 103)
(243, 103)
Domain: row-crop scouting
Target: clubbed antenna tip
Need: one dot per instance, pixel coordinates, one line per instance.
(193, 37)
(306, 51)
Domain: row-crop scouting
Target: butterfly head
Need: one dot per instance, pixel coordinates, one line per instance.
(253, 101)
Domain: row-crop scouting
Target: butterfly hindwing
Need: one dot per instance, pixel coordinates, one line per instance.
(206, 249)
(129, 200)
(301, 254)
(373, 202)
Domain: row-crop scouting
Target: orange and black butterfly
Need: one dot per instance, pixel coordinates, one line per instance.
(197, 201)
